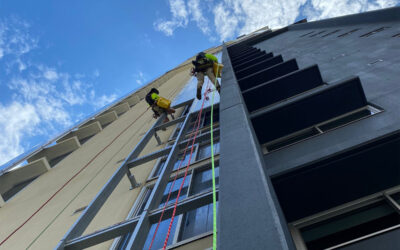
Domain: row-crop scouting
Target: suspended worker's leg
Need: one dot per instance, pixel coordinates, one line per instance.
(200, 81)
(213, 79)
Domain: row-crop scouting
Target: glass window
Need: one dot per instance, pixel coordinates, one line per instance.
(175, 190)
(197, 221)
(144, 201)
(207, 117)
(161, 234)
(396, 197)
(346, 119)
(205, 150)
(349, 226)
(292, 139)
(183, 160)
(202, 180)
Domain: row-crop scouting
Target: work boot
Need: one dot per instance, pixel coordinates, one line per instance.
(198, 94)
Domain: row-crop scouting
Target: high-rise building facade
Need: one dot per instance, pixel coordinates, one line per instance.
(306, 138)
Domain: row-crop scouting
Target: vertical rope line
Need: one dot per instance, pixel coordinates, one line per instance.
(184, 177)
(196, 124)
(213, 169)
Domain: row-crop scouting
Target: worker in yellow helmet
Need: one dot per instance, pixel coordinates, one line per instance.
(203, 65)
(152, 99)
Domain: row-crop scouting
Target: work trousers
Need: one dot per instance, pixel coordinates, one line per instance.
(210, 73)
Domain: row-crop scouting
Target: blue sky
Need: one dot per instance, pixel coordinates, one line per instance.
(63, 60)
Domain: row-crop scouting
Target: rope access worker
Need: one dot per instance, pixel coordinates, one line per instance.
(159, 105)
(204, 65)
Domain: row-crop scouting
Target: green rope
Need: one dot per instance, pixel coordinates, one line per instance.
(213, 170)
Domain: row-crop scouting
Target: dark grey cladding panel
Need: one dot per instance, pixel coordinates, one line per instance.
(240, 53)
(242, 222)
(339, 179)
(267, 63)
(245, 56)
(253, 61)
(310, 110)
(268, 74)
(282, 88)
(385, 15)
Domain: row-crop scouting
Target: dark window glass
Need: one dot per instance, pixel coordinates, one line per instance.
(344, 120)
(175, 190)
(207, 117)
(350, 226)
(304, 135)
(205, 151)
(177, 130)
(197, 221)
(183, 160)
(177, 163)
(396, 197)
(144, 202)
(202, 180)
(161, 234)
(159, 168)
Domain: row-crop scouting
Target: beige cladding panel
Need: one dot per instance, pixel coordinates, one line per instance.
(107, 118)
(62, 148)
(82, 189)
(83, 132)
(121, 108)
(88, 131)
(22, 174)
(133, 100)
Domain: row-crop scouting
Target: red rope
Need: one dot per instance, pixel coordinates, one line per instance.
(184, 178)
(66, 183)
(196, 124)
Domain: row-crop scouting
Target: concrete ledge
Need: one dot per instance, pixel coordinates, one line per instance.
(62, 148)
(133, 100)
(83, 132)
(107, 118)
(25, 173)
(2, 202)
(121, 108)
(142, 93)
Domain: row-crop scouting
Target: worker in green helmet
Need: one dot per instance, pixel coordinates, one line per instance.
(203, 65)
(151, 98)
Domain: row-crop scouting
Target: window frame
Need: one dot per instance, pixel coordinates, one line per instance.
(386, 196)
(373, 109)
(177, 232)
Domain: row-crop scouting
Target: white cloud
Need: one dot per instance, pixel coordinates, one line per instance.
(104, 100)
(235, 17)
(43, 100)
(179, 18)
(50, 74)
(13, 39)
(196, 12)
(225, 22)
(140, 78)
(181, 13)
(17, 120)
